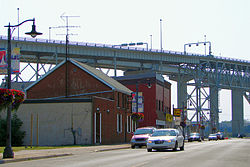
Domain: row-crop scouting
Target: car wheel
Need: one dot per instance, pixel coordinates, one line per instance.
(175, 147)
(149, 149)
(182, 148)
(133, 147)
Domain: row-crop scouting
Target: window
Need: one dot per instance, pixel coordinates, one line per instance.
(129, 123)
(118, 99)
(133, 126)
(124, 101)
(159, 105)
(119, 123)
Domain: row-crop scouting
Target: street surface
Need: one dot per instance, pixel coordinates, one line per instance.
(224, 153)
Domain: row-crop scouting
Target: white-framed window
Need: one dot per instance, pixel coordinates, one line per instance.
(133, 127)
(119, 123)
(129, 124)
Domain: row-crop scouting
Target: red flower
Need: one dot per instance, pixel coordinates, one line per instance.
(11, 97)
(18, 98)
(137, 116)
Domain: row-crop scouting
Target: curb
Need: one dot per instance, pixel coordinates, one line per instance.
(32, 158)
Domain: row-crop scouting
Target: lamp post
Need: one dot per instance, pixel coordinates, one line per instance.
(151, 42)
(161, 34)
(8, 152)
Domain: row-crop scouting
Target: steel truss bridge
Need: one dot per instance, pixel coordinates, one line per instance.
(205, 74)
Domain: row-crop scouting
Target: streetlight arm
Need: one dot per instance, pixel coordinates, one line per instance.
(8, 152)
(21, 23)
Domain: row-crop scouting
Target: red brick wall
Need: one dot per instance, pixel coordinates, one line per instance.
(79, 82)
(109, 121)
(156, 92)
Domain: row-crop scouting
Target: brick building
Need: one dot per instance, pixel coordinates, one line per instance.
(156, 93)
(82, 106)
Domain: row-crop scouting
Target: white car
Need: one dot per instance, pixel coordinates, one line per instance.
(165, 139)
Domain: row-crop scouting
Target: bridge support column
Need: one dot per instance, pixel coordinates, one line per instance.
(237, 112)
(214, 109)
(181, 94)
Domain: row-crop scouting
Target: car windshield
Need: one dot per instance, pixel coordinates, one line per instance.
(164, 133)
(194, 134)
(143, 131)
(212, 135)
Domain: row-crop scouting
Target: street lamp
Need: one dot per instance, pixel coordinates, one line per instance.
(8, 152)
(161, 34)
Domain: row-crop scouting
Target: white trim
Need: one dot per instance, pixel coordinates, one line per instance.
(45, 75)
(95, 128)
(100, 127)
(90, 73)
(129, 129)
(127, 124)
(121, 121)
(117, 122)
(112, 86)
(132, 126)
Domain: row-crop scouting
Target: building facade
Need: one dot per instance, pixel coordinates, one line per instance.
(76, 104)
(156, 93)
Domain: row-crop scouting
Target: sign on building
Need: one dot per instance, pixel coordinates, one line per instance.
(177, 112)
(169, 117)
(140, 102)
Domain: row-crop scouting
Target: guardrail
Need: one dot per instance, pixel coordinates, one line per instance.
(117, 47)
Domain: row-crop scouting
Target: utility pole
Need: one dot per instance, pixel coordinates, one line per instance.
(73, 131)
(66, 48)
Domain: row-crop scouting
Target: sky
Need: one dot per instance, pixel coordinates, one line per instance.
(225, 23)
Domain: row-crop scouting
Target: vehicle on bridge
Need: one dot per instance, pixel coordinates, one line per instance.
(166, 139)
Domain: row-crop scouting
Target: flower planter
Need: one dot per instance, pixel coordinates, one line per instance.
(11, 97)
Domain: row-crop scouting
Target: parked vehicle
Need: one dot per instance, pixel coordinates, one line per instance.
(241, 135)
(212, 137)
(220, 135)
(194, 137)
(141, 136)
(165, 139)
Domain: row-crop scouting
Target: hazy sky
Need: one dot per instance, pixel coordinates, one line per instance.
(226, 24)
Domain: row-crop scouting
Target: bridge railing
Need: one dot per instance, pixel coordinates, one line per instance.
(117, 47)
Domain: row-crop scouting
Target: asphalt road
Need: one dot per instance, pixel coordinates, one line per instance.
(226, 153)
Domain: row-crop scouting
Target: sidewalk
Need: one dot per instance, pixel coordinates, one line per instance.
(25, 155)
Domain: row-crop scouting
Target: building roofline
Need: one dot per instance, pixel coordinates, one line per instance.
(66, 100)
(45, 75)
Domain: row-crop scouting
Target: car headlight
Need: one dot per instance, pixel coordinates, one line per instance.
(150, 141)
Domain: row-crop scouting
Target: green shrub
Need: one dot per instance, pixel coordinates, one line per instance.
(16, 134)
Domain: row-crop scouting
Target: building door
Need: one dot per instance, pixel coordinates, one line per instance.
(98, 126)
